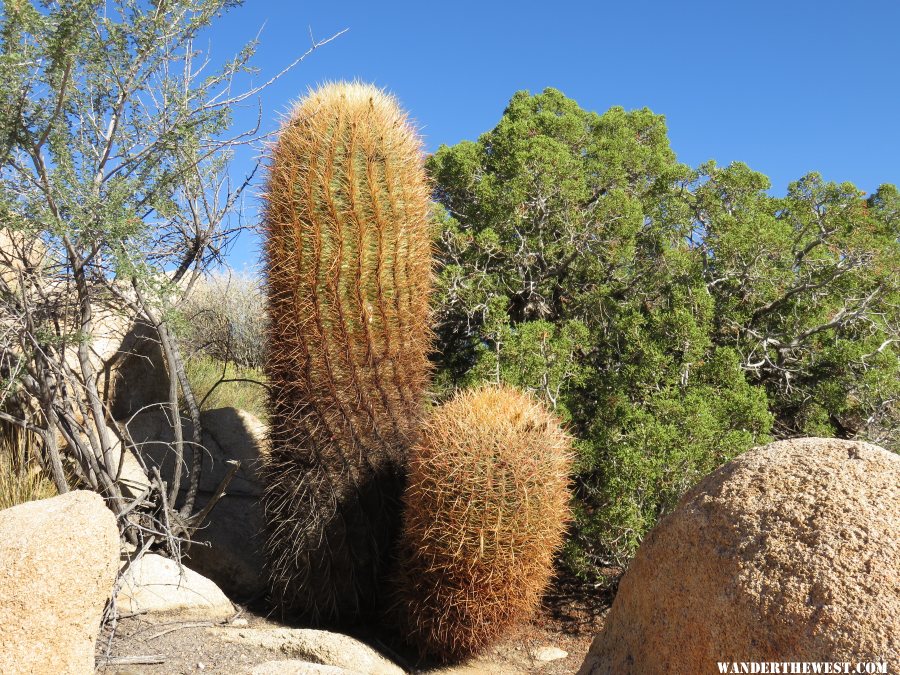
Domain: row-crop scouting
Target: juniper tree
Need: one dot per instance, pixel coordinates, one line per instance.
(674, 317)
(806, 290)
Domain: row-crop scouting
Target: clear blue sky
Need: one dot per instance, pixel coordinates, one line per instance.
(787, 87)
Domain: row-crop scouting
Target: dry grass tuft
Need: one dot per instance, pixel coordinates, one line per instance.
(21, 479)
(227, 385)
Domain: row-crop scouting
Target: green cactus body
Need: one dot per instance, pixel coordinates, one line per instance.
(485, 509)
(348, 267)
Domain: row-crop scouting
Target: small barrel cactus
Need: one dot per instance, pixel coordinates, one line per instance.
(348, 270)
(486, 507)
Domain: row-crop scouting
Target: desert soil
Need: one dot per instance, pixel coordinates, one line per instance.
(571, 614)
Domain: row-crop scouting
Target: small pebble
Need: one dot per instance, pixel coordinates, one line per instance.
(549, 654)
(240, 623)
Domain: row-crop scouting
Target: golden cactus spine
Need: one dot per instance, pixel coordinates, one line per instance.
(485, 509)
(348, 268)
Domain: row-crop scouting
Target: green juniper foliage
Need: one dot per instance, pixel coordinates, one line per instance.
(673, 317)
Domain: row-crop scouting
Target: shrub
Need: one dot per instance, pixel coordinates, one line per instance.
(224, 317)
(672, 317)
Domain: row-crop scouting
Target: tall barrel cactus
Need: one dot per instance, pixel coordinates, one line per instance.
(348, 267)
(485, 509)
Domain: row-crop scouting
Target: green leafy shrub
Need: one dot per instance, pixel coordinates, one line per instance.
(672, 317)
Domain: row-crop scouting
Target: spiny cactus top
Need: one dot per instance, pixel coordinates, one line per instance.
(349, 259)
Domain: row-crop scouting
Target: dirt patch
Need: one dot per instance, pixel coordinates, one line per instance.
(570, 616)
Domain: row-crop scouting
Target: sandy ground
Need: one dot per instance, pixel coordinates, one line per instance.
(570, 616)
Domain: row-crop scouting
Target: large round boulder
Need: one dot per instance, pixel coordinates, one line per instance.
(156, 585)
(58, 562)
(791, 552)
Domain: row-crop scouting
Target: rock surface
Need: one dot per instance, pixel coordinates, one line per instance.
(134, 373)
(58, 562)
(231, 539)
(295, 667)
(229, 544)
(791, 552)
(19, 253)
(132, 478)
(317, 646)
(158, 585)
(127, 361)
(228, 434)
